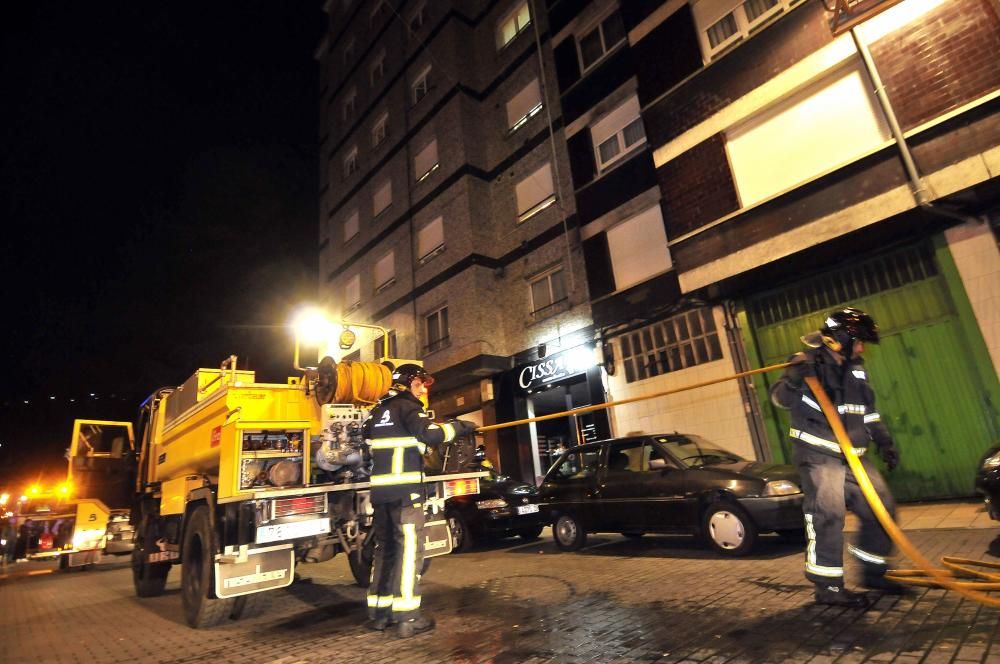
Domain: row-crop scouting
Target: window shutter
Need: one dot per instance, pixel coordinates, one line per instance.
(638, 248)
(351, 226)
(614, 121)
(430, 237)
(426, 159)
(523, 101)
(534, 189)
(383, 197)
(352, 292)
(385, 269)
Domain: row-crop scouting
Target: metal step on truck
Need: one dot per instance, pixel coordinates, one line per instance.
(239, 481)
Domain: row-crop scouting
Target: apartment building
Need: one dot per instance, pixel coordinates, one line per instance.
(792, 157)
(447, 214)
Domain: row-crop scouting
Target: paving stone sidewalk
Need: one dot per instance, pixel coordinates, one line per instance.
(657, 599)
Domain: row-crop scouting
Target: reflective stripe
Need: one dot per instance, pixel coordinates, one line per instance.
(407, 601)
(397, 460)
(449, 432)
(851, 408)
(865, 556)
(858, 373)
(811, 566)
(400, 478)
(397, 443)
(806, 437)
(379, 601)
(872, 417)
(812, 403)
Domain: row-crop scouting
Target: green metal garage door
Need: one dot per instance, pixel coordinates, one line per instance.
(933, 392)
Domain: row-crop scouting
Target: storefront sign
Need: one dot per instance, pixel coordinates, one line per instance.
(555, 367)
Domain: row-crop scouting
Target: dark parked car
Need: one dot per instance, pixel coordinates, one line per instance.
(504, 507)
(673, 483)
(988, 481)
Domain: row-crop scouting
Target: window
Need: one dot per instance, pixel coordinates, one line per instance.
(417, 18)
(380, 130)
(426, 161)
(547, 290)
(351, 227)
(722, 23)
(351, 163)
(430, 240)
(535, 193)
(791, 142)
(382, 198)
(638, 248)
(350, 102)
(606, 35)
(349, 52)
(379, 11)
(352, 293)
(377, 71)
(437, 329)
(513, 24)
(378, 347)
(524, 105)
(419, 87)
(679, 342)
(385, 271)
(576, 465)
(618, 133)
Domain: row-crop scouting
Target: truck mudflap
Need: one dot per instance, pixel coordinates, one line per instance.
(254, 570)
(437, 538)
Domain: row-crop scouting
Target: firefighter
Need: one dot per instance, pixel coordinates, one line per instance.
(833, 355)
(400, 431)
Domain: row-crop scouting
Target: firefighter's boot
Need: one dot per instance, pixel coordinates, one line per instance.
(418, 625)
(835, 595)
(884, 585)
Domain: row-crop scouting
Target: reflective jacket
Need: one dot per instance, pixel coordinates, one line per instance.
(400, 431)
(847, 386)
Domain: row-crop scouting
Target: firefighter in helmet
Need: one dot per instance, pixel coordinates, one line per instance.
(400, 431)
(833, 356)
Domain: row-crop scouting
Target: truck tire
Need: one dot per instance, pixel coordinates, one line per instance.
(201, 607)
(250, 606)
(149, 579)
(362, 559)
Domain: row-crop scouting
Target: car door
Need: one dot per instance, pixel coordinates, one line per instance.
(570, 485)
(664, 484)
(622, 487)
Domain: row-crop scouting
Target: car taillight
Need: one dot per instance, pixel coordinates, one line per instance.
(461, 487)
(300, 505)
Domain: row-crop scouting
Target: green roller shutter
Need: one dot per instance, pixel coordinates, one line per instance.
(933, 393)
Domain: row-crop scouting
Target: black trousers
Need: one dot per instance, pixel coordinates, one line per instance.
(830, 490)
(394, 590)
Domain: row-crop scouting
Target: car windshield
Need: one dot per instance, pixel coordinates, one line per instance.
(695, 451)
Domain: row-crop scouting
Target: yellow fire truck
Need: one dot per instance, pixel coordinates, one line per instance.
(239, 481)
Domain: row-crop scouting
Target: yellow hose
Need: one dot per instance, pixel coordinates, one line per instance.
(935, 576)
(361, 383)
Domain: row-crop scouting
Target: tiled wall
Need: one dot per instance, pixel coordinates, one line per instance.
(974, 249)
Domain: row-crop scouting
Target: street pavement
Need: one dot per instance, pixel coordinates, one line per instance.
(655, 599)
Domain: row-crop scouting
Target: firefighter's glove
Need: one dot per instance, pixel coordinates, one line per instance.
(801, 367)
(463, 427)
(890, 455)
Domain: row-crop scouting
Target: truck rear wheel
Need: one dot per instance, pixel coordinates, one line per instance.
(201, 607)
(148, 578)
(362, 559)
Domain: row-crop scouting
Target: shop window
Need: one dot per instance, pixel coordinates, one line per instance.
(378, 347)
(430, 240)
(351, 227)
(437, 330)
(382, 198)
(547, 291)
(638, 248)
(513, 24)
(679, 342)
(617, 134)
(419, 88)
(426, 161)
(599, 41)
(352, 293)
(385, 271)
(535, 193)
(722, 23)
(524, 105)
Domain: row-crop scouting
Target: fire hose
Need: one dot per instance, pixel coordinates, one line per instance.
(925, 575)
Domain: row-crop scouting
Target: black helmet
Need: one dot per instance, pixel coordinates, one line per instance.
(846, 326)
(404, 374)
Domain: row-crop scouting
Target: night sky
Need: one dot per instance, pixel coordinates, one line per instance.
(158, 193)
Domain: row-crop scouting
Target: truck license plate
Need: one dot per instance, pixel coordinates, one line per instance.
(527, 509)
(285, 531)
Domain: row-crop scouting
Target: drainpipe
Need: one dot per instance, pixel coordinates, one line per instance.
(751, 406)
(916, 184)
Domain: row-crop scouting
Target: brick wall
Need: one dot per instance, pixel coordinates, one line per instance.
(697, 187)
(941, 61)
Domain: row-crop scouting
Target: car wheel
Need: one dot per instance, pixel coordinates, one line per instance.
(531, 534)
(634, 534)
(569, 533)
(729, 529)
(462, 538)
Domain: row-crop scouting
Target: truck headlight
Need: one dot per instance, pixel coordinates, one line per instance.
(991, 462)
(492, 504)
(781, 488)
